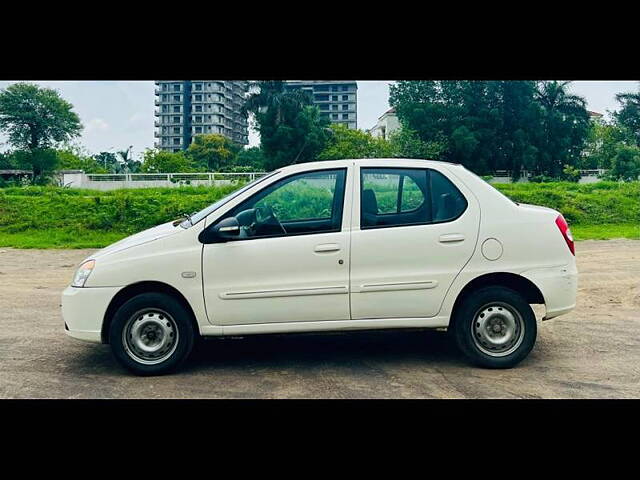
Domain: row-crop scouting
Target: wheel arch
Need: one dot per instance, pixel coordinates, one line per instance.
(134, 289)
(518, 283)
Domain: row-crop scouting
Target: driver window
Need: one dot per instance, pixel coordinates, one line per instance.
(300, 204)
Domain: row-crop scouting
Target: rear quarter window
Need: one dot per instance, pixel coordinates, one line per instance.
(448, 202)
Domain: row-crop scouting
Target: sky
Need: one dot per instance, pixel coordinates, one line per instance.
(117, 114)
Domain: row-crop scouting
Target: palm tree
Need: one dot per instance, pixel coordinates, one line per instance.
(126, 163)
(629, 114)
(272, 95)
(629, 98)
(565, 121)
(554, 97)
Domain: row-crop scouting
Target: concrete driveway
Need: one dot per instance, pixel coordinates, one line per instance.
(594, 352)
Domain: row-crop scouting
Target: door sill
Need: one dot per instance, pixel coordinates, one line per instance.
(335, 325)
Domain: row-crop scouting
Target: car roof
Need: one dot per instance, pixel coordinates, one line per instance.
(374, 162)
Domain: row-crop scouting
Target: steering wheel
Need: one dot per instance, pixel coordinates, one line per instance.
(265, 216)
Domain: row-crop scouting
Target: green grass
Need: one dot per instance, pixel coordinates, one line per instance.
(52, 217)
(59, 238)
(606, 231)
(581, 204)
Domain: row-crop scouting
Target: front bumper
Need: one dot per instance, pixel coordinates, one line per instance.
(83, 310)
(559, 287)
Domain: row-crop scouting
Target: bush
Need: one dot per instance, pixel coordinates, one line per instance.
(123, 211)
(626, 163)
(542, 179)
(570, 174)
(64, 217)
(591, 203)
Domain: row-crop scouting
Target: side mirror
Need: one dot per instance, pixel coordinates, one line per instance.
(227, 229)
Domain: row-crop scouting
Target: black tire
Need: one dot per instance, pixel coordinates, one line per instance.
(163, 308)
(480, 301)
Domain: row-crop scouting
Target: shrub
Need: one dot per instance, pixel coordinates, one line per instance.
(126, 211)
(65, 214)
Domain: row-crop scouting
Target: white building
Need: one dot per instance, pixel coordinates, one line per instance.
(387, 124)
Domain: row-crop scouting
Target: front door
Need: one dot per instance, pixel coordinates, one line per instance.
(414, 231)
(291, 261)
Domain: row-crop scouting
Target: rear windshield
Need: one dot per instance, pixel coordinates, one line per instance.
(487, 183)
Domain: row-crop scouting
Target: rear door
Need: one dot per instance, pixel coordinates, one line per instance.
(414, 229)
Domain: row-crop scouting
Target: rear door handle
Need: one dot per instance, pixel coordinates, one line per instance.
(451, 237)
(327, 247)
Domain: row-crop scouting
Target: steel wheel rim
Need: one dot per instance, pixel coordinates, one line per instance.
(497, 329)
(150, 336)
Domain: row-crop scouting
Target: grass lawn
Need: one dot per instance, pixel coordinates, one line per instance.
(606, 231)
(54, 217)
(60, 238)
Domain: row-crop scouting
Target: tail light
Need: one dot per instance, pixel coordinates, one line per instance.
(566, 233)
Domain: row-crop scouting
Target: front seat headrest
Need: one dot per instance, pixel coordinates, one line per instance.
(369, 208)
(369, 202)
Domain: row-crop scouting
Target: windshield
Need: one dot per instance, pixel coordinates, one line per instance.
(196, 217)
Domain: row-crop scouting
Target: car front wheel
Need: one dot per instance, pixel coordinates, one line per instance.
(151, 334)
(495, 327)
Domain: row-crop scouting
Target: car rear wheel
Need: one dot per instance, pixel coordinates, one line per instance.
(151, 334)
(495, 327)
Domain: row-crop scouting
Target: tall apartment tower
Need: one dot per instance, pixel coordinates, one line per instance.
(185, 108)
(336, 99)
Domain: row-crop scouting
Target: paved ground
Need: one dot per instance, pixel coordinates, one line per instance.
(594, 352)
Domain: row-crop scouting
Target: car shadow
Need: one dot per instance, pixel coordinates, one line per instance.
(309, 350)
(300, 351)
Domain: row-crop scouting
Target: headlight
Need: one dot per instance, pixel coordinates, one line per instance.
(83, 273)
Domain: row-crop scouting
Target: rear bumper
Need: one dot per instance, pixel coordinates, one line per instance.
(559, 287)
(83, 310)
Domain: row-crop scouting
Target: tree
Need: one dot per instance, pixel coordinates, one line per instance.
(291, 130)
(125, 162)
(564, 127)
(41, 161)
(7, 162)
(485, 125)
(36, 119)
(157, 161)
(490, 125)
(602, 142)
(515, 135)
(349, 143)
(213, 152)
(251, 158)
(272, 96)
(629, 115)
(626, 163)
(405, 143)
(75, 158)
(570, 174)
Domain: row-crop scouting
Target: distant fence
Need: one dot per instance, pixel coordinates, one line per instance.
(586, 176)
(108, 181)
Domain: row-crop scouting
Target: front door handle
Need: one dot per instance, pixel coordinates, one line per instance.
(327, 247)
(451, 237)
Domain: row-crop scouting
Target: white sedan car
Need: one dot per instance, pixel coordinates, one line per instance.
(340, 245)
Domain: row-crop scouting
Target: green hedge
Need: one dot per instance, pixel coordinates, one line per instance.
(585, 204)
(62, 217)
(125, 211)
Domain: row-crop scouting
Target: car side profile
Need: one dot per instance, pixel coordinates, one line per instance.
(333, 246)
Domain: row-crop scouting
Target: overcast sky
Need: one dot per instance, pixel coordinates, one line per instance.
(116, 114)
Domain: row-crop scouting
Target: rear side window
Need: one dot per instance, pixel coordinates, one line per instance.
(404, 196)
(448, 201)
